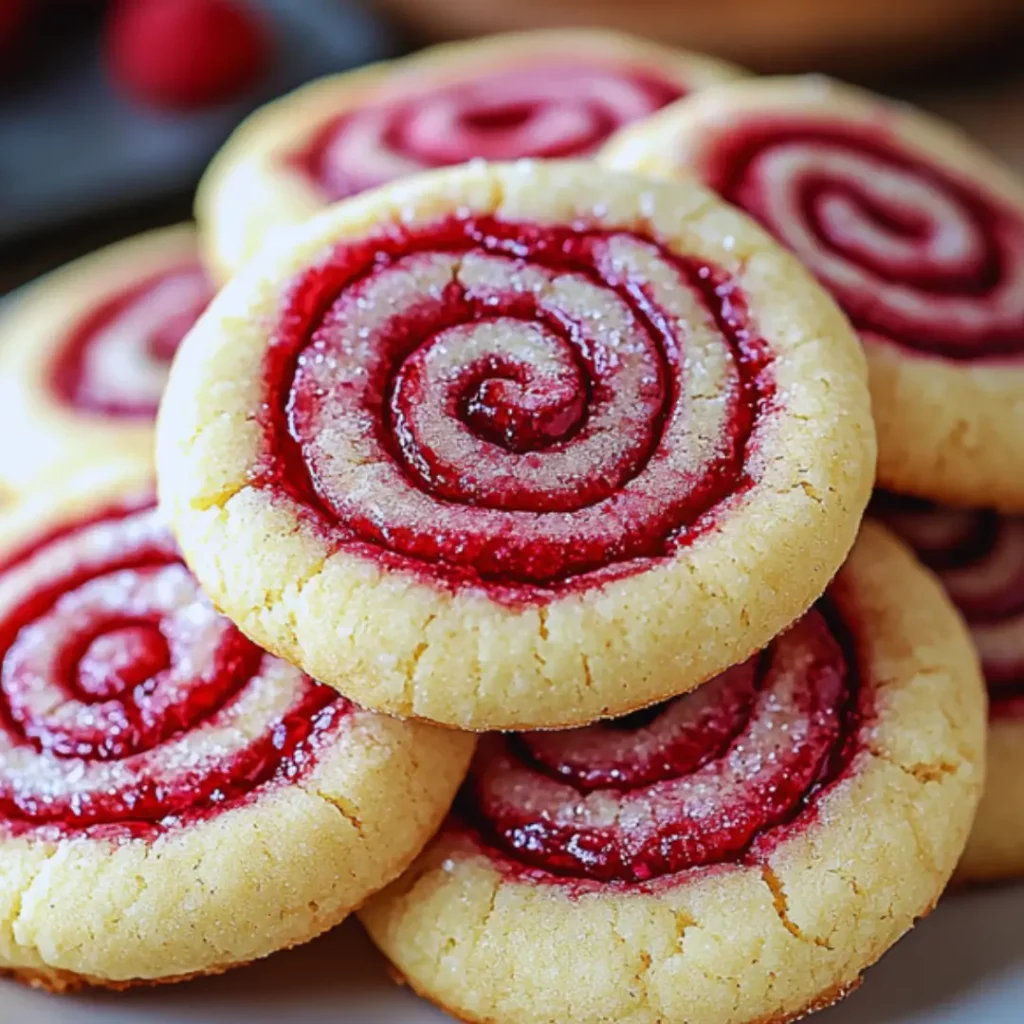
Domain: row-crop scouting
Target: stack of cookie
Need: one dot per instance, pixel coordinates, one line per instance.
(919, 235)
(568, 452)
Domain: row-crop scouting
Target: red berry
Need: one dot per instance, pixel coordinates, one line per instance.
(180, 54)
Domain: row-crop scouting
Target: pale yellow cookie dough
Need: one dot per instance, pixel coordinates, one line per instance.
(398, 642)
(979, 558)
(271, 872)
(253, 189)
(947, 430)
(737, 942)
(48, 436)
(996, 848)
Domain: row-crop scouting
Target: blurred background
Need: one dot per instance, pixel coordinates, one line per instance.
(106, 123)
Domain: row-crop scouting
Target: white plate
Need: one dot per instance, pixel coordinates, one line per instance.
(965, 965)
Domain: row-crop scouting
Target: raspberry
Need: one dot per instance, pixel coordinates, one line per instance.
(183, 54)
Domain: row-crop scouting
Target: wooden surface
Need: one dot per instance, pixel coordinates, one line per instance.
(994, 116)
(839, 36)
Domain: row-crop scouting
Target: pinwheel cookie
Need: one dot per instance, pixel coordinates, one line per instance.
(84, 354)
(918, 234)
(518, 445)
(979, 556)
(739, 854)
(535, 94)
(174, 801)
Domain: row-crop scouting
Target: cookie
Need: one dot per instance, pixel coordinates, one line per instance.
(84, 354)
(174, 801)
(979, 556)
(739, 854)
(518, 445)
(533, 94)
(917, 233)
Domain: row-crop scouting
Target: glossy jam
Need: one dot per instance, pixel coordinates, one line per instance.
(566, 109)
(915, 255)
(127, 704)
(979, 556)
(115, 360)
(706, 779)
(519, 394)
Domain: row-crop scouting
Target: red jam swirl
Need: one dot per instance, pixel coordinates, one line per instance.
(512, 406)
(115, 360)
(544, 109)
(979, 556)
(128, 705)
(914, 255)
(698, 781)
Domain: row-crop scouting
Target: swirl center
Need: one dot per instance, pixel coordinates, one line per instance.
(513, 405)
(915, 254)
(117, 359)
(128, 703)
(699, 781)
(979, 556)
(543, 109)
(522, 398)
(121, 658)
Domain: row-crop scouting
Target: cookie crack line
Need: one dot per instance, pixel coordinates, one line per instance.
(124, 911)
(218, 500)
(13, 922)
(638, 996)
(780, 901)
(925, 772)
(683, 923)
(412, 666)
(480, 929)
(343, 806)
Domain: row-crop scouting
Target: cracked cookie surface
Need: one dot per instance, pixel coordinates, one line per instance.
(916, 231)
(979, 556)
(533, 94)
(518, 445)
(173, 800)
(85, 352)
(739, 854)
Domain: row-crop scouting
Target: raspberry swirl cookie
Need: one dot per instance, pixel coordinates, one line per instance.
(84, 353)
(518, 445)
(979, 556)
(535, 94)
(174, 801)
(739, 854)
(918, 234)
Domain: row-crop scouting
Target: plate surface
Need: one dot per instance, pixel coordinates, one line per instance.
(965, 965)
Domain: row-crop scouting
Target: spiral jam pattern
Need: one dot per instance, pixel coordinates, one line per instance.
(115, 361)
(914, 255)
(562, 109)
(701, 780)
(510, 405)
(979, 556)
(128, 705)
